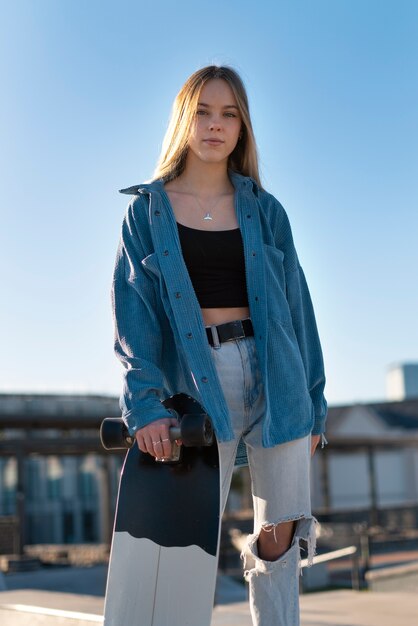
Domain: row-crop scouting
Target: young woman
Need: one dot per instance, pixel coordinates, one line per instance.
(209, 299)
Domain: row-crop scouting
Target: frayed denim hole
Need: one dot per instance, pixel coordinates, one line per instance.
(304, 537)
(305, 534)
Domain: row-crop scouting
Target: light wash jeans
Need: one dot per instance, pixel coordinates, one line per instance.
(280, 486)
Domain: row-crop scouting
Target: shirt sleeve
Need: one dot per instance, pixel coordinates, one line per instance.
(303, 319)
(137, 331)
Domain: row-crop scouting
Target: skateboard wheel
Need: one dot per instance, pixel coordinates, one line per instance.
(114, 434)
(196, 430)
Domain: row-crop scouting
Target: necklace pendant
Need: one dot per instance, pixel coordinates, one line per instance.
(208, 216)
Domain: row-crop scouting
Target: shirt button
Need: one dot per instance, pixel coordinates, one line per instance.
(165, 253)
(178, 294)
(204, 379)
(249, 216)
(189, 335)
(253, 253)
(256, 298)
(157, 213)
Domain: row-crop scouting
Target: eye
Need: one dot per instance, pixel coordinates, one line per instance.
(201, 112)
(229, 114)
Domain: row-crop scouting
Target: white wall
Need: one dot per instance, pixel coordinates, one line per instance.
(348, 480)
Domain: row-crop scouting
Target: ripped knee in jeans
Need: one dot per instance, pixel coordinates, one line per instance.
(304, 537)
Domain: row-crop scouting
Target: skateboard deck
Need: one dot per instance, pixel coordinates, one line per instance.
(164, 554)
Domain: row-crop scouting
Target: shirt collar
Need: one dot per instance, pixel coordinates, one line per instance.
(238, 180)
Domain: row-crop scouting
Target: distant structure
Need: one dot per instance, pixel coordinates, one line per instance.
(402, 381)
(55, 477)
(371, 460)
(58, 485)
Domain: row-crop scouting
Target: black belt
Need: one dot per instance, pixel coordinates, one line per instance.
(229, 331)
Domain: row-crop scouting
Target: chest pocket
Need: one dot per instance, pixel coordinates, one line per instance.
(274, 266)
(151, 265)
(277, 304)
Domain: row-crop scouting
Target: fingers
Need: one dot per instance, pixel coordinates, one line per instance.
(141, 440)
(162, 447)
(314, 442)
(154, 438)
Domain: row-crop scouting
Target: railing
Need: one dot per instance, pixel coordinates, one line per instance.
(356, 574)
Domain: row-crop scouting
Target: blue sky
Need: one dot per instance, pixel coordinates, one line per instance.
(87, 89)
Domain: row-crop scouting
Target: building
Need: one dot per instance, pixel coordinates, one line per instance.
(58, 481)
(372, 457)
(402, 381)
(54, 474)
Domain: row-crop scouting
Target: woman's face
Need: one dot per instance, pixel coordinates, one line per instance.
(217, 124)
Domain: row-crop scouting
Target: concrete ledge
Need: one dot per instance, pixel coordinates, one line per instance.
(26, 615)
(30, 607)
(390, 572)
(331, 608)
(396, 578)
(53, 600)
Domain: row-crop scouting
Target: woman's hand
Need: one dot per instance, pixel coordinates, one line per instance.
(154, 438)
(315, 439)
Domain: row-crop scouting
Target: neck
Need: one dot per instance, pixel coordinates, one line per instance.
(205, 179)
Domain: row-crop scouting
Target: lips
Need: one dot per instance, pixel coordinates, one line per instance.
(213, 142)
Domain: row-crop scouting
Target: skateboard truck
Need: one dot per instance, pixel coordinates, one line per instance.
(194, 430)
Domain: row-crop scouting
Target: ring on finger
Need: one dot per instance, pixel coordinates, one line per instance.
(154, 443)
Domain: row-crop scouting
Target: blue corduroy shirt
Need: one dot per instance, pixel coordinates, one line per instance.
(159, 331)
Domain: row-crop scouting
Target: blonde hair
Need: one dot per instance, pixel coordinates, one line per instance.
(172, 159)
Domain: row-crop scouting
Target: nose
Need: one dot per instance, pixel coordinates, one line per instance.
(215, 123)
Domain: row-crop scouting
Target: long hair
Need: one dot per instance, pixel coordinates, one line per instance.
(172, 159)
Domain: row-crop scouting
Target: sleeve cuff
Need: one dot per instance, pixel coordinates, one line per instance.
(135, 420)
(319, 425)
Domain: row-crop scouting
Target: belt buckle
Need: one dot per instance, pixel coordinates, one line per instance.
(237, 329)
(215, 337)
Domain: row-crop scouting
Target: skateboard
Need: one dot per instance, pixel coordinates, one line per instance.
(164, 553)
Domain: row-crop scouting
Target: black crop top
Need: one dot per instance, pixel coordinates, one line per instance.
(215, 262)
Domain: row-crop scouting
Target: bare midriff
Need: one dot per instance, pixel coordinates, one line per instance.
(223, 315)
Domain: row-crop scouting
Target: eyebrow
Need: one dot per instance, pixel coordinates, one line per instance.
(227, 106)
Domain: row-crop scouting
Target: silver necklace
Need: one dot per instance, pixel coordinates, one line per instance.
(207, 214)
